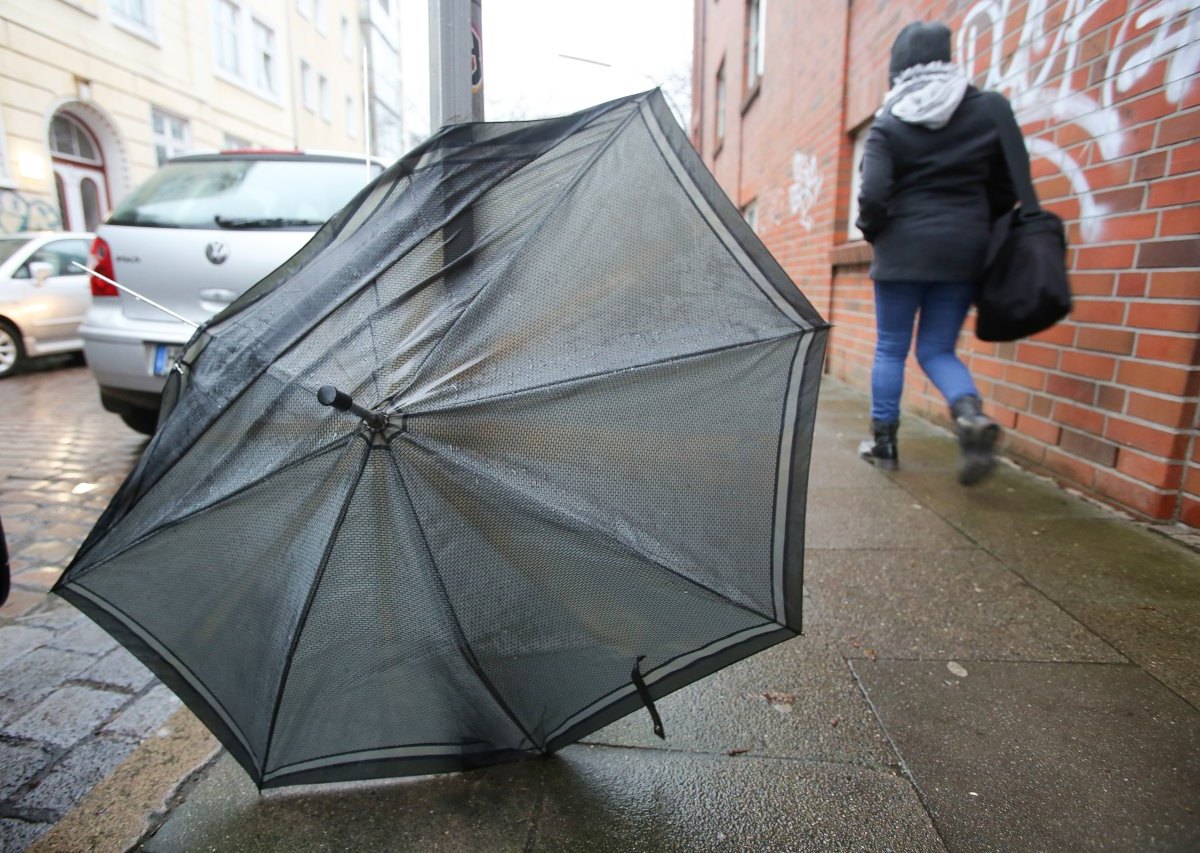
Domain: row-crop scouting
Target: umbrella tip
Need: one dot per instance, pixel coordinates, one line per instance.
(328, 395)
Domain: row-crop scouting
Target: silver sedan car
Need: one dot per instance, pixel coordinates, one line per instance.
(193, 238)
(43, 296)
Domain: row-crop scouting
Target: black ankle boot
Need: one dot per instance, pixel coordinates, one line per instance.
(881, 452)
(977, 435)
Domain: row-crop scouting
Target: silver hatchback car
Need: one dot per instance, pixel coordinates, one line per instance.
(43, 296)
(198, 233)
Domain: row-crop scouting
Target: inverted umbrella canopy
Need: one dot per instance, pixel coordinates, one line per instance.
(559, 471)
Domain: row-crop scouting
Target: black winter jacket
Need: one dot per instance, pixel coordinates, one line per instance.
(929, 197)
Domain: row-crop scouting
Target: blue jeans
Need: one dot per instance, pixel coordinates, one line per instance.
(942, 307)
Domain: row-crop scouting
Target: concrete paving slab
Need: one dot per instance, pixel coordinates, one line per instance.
(797, 699)
(939, 604)
(1048, 756)
(854, 517)
(1008, 493)
(1163, 638)
(485, 810)
(1095, 559)
(602, 799)
(829, 469)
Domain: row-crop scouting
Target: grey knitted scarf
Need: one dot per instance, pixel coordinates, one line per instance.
(926, 94)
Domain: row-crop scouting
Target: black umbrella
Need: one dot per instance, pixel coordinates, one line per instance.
(516, 444)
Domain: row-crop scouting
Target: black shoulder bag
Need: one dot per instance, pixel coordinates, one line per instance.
(1023, 289)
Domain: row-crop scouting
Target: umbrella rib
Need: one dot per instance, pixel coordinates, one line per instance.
(555, 511)
(671, 129)
(464, 646)
(325, 448)
(563, 194)
(308, 603)
(672, 359)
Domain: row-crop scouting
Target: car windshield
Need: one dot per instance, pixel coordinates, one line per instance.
(9, 245)
(242, 193)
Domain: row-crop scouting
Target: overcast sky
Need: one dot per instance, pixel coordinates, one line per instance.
(647, 42)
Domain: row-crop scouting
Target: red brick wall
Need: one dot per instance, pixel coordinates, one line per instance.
(1108, 92)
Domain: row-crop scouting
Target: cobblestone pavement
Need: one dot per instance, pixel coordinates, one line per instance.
(73, 704)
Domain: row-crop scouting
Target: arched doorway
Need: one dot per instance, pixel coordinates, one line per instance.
(79, 173)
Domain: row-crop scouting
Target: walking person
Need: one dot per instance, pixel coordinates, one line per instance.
(933, 181)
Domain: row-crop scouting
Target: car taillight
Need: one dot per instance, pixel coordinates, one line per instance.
(100, 259)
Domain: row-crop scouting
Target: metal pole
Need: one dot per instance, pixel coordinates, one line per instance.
(367, 111)
(455, 37)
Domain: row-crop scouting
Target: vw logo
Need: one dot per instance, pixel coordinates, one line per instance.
(216, 251)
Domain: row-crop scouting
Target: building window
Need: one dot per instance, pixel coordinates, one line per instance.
(720, 107)
(319, 15)
(755, 37)
(264, 57)
(308, 93)
(750, 214)
(235, 143)
(860, 144)
(326, 99)
(347, 38)
(136, 16)
(305, 8)
(225, 37)
(351, 118)
(69, 139)
(171, 134)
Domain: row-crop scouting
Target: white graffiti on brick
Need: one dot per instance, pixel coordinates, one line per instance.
(1049, 49)
(805, 188)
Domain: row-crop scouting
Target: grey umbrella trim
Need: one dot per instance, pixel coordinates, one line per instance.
(784, 478)
(662, 672)
(422, 751)
(720, 229)
(175, 663)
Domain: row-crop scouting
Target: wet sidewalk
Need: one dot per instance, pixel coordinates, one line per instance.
(1006, 667)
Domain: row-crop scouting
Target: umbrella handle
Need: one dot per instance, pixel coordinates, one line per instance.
(328, 395)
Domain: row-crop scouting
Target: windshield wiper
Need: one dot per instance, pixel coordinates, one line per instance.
(274, 222)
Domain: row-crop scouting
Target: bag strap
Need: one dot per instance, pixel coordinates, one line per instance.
(1015, 153)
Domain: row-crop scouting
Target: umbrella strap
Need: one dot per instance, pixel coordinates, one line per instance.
(644, 692)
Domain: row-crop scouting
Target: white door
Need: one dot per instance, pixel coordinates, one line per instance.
(78, 173)
(84, 193)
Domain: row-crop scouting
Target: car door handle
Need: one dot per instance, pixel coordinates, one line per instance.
(217, 294)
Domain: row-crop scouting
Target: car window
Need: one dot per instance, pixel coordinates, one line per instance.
(193, 194)
(9, 246)
(59, 254)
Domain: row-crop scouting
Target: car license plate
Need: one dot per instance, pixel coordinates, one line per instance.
(164, 358)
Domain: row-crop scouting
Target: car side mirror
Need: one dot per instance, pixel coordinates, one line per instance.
(39, 271)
